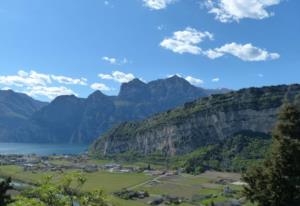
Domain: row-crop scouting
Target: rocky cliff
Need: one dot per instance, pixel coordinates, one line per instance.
(199, 123)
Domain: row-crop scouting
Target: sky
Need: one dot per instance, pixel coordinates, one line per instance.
(58, 47)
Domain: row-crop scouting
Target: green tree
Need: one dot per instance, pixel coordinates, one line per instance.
(277, 181)
(4, 187)
(23, 201)
(64, 192)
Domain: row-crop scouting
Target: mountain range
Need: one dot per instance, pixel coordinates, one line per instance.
(206, 121)
(15, 110)
(69, 119)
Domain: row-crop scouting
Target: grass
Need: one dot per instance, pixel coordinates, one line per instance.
(112, 182)
(184, 185)
(215, 200)
(17, 173)
(120, 202)
(109, 182)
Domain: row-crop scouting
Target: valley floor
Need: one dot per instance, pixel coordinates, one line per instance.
(193, 190)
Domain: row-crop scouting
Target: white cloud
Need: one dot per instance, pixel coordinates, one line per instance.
(118, 76)
(100, 86)
(190, 79)
(111, 60)
(69, 80)
(186, 41)
(246, 52)
(6, 88)
(38, 84)
(212, 54)
(173, 75)
(115, 61)
(194, 80)
(157, 4)
(49, 92)
(234, 10)
(23, 78)
(217, 79)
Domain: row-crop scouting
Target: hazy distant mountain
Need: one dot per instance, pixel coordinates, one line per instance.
(197, 124)
(15, 110)
(69, 119)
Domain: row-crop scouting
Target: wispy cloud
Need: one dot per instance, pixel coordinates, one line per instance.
(38, 84)
(100, 86)
(194, 81)
(5, 88)
(234, 10)
(23, 78)
(115, 61)
(157, 4)
(69, 80)
(246, 52)
(217, 79)
(48, 91)
(118, 76)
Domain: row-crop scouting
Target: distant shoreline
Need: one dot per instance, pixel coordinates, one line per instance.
(42, 149)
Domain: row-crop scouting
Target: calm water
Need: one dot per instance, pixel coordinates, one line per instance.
(41, 149)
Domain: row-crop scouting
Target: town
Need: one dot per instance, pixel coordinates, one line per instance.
(60, 163)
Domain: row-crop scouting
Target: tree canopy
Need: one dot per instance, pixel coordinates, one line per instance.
(277, 181)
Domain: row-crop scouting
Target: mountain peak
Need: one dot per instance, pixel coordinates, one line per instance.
(178, 80)
(65, 99)
(97, 94)
(135, 81)
(175, 76)
(134, 90)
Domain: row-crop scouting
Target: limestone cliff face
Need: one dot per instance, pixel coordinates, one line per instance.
(199, 123)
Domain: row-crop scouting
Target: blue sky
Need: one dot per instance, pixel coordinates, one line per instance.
(54, 47)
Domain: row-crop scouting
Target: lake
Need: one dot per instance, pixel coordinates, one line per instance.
(41, 149)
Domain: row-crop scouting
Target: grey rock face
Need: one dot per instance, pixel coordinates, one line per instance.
(199, 123)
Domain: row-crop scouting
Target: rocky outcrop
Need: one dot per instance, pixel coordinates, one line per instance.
(199, 123)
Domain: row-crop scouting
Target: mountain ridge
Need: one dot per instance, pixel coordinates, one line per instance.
(69, 119)
(15, 108)
(198, 123)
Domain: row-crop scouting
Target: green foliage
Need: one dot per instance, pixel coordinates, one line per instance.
(95, 198)
(4, 187)
(23, 201)
(277, 181)
(233, 154)
(64, 193)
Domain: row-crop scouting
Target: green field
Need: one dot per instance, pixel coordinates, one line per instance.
(109, 182)
(186, 186)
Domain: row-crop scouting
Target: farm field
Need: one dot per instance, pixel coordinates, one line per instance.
(191, 188)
